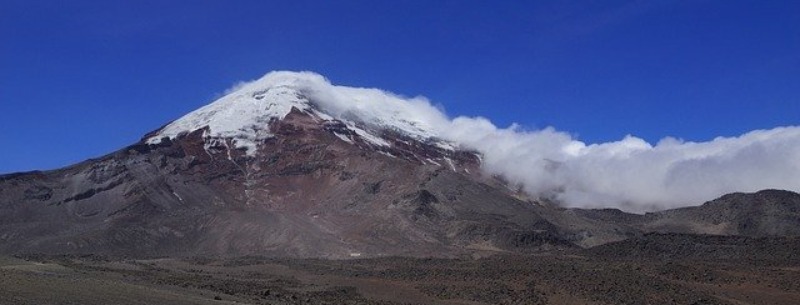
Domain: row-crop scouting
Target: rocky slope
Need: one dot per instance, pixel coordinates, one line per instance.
(765, 213)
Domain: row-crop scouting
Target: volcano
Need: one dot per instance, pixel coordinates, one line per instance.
(290, 165)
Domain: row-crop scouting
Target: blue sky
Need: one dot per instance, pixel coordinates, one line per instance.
(79, 79)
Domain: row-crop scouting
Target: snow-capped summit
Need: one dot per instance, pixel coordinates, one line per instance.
(244, 113)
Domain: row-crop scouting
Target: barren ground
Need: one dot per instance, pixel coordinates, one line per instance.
(546, 278)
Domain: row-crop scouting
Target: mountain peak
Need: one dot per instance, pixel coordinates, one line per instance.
(243, 114)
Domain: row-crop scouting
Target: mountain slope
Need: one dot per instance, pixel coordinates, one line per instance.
(285, 166)
(764, 213)
(304, 192)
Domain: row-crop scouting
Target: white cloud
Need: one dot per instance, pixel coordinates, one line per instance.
(632, 174)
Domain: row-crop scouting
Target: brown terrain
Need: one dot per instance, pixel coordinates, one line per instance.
(314, 219)
(651, 269)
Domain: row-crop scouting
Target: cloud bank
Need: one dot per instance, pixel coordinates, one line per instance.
(630, 174)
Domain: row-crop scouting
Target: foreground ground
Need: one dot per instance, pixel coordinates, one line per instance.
(653, 275)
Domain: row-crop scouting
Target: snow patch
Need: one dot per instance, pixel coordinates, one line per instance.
(433, 162)
(450, 162)
(343, 137)
(376, 140)
(387, 154)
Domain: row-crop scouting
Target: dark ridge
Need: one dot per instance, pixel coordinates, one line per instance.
(675, 246)
(425, 197)
(766, 193)
(38, 192)
(373, 188)
(778, 193)
(9, 176)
